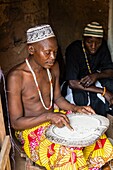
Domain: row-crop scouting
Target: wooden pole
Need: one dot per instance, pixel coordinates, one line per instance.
(5, 144)
(2, 125)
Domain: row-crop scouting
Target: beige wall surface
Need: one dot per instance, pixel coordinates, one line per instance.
(67, 17)
(16, 16)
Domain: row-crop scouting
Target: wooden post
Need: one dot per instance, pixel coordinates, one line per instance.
(2, 125)
(4, 154)
(5, 144)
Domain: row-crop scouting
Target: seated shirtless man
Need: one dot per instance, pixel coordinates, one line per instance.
(33, 89)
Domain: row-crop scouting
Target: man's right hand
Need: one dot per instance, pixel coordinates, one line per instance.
(59, 120)
(88, 80)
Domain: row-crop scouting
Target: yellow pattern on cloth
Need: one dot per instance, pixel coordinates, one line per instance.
(57, 157)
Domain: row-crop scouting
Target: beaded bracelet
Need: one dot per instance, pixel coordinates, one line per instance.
(104, 91)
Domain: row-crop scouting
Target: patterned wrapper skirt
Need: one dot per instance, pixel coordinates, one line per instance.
(58, 157)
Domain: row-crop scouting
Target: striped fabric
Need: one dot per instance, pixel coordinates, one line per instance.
(94, 29)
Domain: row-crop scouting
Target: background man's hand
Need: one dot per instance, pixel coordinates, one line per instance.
(88, 80)
(109, 97)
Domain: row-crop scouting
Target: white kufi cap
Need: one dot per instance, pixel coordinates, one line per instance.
(39, 33)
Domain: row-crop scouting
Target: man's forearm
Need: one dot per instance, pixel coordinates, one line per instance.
(76, 85)
(63, 104)
(105, 74)
(28, 122)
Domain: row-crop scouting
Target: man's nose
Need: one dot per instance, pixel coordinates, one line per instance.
(52, 55)
(93, 45)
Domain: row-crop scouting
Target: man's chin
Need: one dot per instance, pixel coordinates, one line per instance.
(49, 66)
(93, 52)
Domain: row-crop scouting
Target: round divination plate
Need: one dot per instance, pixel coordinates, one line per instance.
(87, 129)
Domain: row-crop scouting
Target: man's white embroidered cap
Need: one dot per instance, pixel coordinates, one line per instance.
(39, 33)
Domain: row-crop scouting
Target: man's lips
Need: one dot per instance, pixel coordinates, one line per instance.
(50, 63)
(93, 50)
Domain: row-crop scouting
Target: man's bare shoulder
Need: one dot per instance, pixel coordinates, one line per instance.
(17, 71)
(15, 78)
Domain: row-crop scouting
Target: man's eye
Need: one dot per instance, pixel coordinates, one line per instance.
(99, 43)
(88, 42)
(47, 52)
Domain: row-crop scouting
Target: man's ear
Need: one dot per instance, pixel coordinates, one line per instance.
(31, 49)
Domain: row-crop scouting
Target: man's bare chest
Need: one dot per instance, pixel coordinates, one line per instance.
(30, 90)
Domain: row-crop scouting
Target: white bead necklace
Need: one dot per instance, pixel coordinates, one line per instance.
(51, 86)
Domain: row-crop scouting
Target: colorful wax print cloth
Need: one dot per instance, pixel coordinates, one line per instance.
(58, 157)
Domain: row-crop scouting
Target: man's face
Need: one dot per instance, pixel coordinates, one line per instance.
(92, 44)
(45, 52)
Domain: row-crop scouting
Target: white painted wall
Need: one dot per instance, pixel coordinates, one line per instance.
(110, 28)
